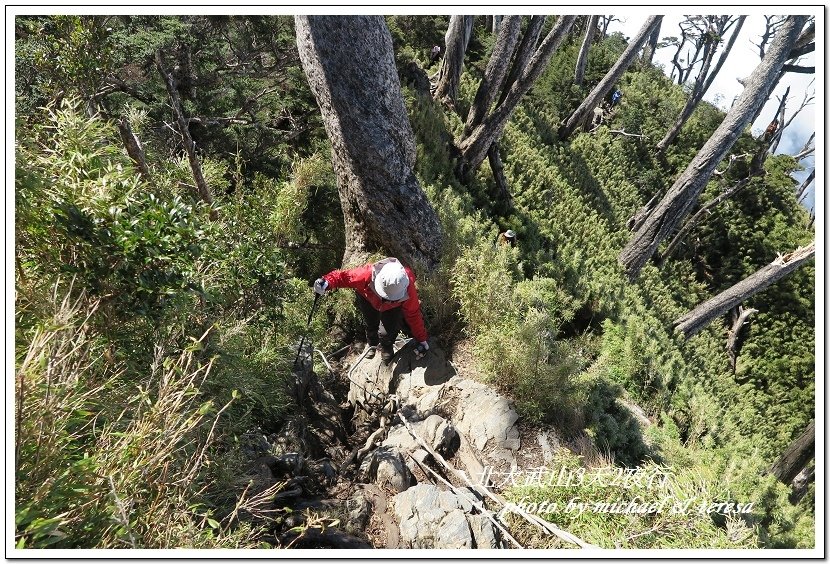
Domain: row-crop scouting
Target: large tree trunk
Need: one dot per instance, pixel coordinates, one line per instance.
(756, 168)
(651, 45)
(527, 48)
(702, 83)
(582, 58)
(474, 148)
(692, 322)
(609, 80)
(681, 197)
(797, 455)
(351, 69)
(494, 75)
(449, 75)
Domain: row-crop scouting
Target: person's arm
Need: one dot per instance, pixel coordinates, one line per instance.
(412, 313)
(352, 278)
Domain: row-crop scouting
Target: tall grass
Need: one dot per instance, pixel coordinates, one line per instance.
(107, 459)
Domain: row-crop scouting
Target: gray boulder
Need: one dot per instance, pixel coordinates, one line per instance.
(432, 518)
(386, 468)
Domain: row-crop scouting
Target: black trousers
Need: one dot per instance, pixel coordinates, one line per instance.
(381, 326)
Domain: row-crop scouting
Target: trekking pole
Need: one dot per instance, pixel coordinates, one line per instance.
(307, 325)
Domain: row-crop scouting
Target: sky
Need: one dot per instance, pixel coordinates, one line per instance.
(742, 60)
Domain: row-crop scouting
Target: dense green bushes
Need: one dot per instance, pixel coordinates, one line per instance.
(149, 336)
(127, 289)
(573, 201)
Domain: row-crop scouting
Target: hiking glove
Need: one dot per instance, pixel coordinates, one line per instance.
(320, 285)
(421, 350)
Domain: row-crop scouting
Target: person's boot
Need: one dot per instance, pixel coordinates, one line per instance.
(386, 352)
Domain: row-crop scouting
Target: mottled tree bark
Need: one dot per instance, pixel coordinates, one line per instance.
(497, 21)
(351, 70)
(692, 322)
(796, 456)
(595, 96)
(474, 148)
(683, 194)
(527, 48)
(449, 74)
(651, 45)
(582, 58)
(801, 484)
(494, 75)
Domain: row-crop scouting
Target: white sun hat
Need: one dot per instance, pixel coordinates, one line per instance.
(391, 281)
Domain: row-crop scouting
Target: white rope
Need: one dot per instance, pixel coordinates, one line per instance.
(478, 505)
(534, 519)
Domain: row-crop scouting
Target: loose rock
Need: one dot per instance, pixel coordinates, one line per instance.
(432, 518)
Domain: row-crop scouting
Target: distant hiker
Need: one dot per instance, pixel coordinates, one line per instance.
(435, 54)
(598, 115)
(507, 238)
(385, 294)
(615, 97)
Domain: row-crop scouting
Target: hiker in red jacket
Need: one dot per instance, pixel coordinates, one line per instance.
(385, 293)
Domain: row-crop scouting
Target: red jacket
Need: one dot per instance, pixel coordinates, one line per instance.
(360, 279)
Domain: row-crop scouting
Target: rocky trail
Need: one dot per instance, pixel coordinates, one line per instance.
(411, 458)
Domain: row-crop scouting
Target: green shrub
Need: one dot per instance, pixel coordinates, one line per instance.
(538, 372)
(611, 424)
(482, 283)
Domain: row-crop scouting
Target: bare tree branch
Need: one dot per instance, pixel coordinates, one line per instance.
(798, 69)
(605, 22)
(808, 149)
(715, 32)
(692, 322)
(808, 99)
(189, 145)
(802, 190)
(770, 137)
(732, 159)
(772, 25)
(624, 133)
(704, 211)
(726, 50)
(740, 317)
(134, 148)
